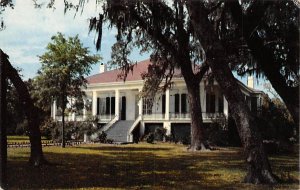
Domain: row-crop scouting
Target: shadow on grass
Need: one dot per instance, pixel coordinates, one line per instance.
(124, 148)
(130, 168)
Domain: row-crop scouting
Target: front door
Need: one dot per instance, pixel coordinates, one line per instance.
(123, 109)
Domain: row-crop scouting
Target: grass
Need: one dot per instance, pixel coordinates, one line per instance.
(141, 166)
(21, 139)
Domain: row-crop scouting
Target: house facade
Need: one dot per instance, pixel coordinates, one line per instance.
(124, 116)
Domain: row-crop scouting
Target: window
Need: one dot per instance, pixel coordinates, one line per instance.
(210, 103)
(98, 106)
(107, 102)
(253, 104)
(221, 104)
(113, 102)
(183, 103)
(147, 105)
(163, 104)
(176, 103)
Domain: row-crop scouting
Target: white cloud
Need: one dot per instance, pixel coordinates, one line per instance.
(29, 30)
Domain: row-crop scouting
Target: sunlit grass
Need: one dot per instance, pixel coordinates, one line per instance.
(141, 166)
(20, 139)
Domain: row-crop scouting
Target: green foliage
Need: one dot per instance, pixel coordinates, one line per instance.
(275, 122)
(102, 137)
(73, 130)
(160, 133)
(15, 111)
(150, 138)
(216, 135)
(64, 65)
(22, 128)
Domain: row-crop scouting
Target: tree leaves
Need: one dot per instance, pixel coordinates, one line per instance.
(63, 66)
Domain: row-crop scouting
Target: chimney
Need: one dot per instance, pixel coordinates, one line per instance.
(102, 68)
(250, 81)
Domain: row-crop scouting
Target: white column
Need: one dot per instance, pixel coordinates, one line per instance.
(117, 103)
(73, 116)
(140, 104)
(84, 109)
(54, 110)
(167, 115)
(225, 107)
(94, 102)
(180, 103)
(142, 128)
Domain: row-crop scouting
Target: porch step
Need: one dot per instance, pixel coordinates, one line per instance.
(118, 131)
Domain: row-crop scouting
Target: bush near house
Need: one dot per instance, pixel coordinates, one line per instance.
(74, 130)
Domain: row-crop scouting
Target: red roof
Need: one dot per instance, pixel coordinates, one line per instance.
(112, 76)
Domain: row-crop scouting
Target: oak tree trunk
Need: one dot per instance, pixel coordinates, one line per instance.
(36, 154)
(259, 170)
(3, 110)
(197, 128)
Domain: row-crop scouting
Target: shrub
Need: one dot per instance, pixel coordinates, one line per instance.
(150, 138)
(102, 137)
(170, 138)
(21, 128)
(186, 140)
(109, 141)
(216, 135)
(47, 128)
(160, 133)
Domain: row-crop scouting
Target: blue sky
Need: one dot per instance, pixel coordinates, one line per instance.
(28, 31)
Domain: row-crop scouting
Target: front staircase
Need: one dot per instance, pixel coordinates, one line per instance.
(119, 130)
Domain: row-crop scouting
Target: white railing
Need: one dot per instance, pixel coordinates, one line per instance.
(155, 116)
(180, 116)
(105, 117)
(212, 115)
(129, 134)
(67, 118)
(109, 124)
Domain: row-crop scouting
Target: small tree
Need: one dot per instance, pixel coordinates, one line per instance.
(61, 76)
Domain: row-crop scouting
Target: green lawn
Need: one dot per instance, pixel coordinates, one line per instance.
(141, 166)
(20, 139)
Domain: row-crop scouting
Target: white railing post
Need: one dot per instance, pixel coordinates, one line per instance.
(117, 103)
(94, 103)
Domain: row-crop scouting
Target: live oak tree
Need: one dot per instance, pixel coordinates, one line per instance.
(61, 76)
(259, 170)
(270, 30)
(127, 14)
(264, 36)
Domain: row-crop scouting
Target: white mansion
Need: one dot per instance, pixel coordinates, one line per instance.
(124, 116)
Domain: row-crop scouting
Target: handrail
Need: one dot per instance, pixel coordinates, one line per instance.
(137, 120)
(110, 123)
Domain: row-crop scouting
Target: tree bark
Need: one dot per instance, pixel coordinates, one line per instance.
(197, 127)
(259, 170)
(36, 154)
(264, 55)
(3, 111)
